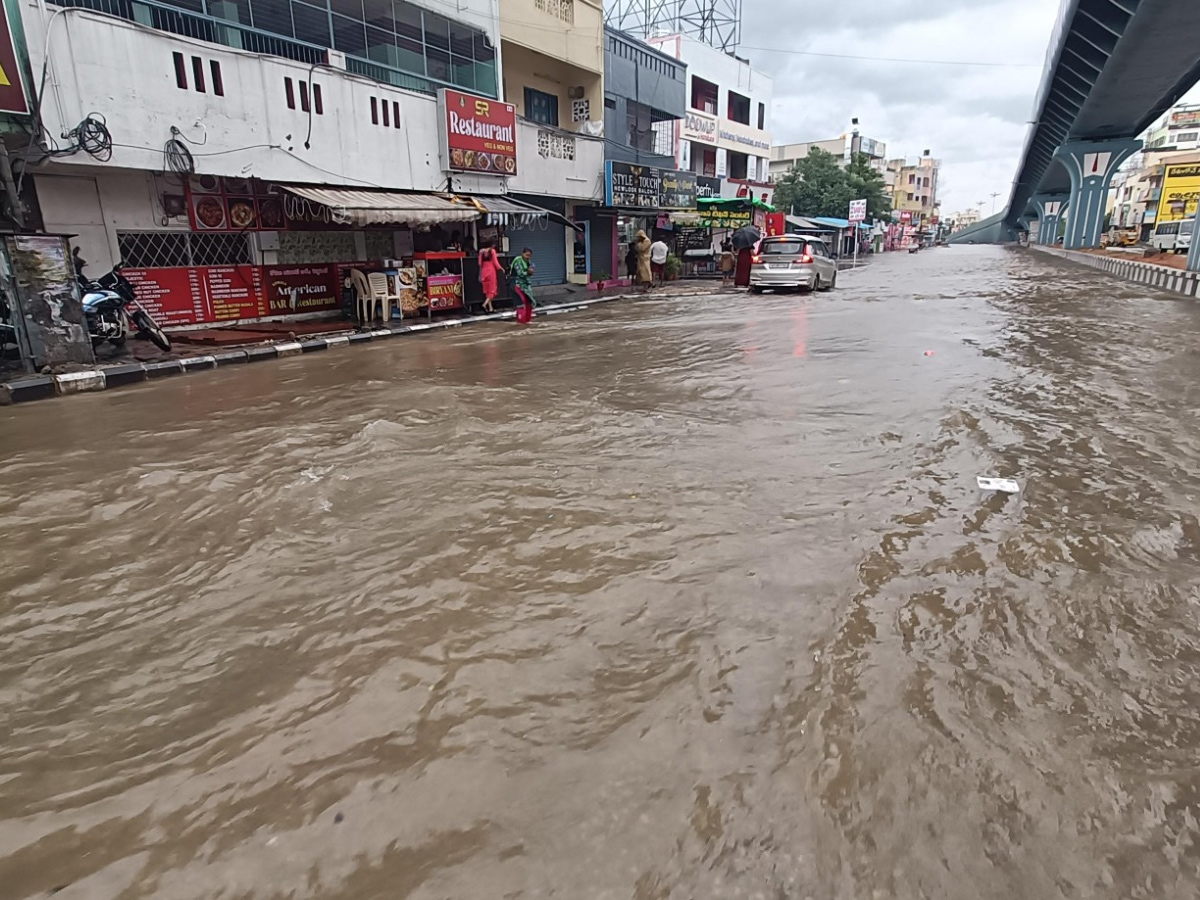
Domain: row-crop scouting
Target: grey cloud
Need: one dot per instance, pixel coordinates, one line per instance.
(972, 117)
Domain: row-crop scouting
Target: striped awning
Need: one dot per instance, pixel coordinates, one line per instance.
(352, 207)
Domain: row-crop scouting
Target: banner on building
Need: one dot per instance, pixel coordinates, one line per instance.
(645, 187)
(1180, 191)
(700, 128)
(197, 295)
(476, 134)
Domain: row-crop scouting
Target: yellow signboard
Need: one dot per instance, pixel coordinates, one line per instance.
(1180, 191)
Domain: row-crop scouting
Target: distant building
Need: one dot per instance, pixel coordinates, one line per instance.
(1178, 130)
(784, 156)
(965, 219)
(914, 189)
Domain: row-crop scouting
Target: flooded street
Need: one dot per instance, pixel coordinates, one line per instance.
(679, 599)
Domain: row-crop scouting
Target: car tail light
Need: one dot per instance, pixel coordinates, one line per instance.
(755, 259)
(805, 259)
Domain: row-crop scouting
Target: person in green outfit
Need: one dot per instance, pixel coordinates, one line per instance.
(519, 274)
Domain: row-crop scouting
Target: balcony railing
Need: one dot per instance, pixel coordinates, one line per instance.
(242, 37)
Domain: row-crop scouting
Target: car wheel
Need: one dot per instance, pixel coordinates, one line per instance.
(755, 289)
(833, 283)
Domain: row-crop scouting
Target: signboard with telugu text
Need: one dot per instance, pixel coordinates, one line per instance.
(858, 211)
(476, 134)
(1180, 192)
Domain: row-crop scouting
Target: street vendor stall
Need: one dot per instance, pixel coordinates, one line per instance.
(726, 215)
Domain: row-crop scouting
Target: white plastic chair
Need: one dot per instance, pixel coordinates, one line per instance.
(382, 290)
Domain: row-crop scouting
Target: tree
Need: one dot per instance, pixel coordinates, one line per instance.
(818, 186)
(868, 184)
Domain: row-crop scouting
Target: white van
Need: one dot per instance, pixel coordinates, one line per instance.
(1173, 236)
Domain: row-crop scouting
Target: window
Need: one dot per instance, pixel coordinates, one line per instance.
(910, 196)
(198, 73)
(384, 34)
(169, 249)
(911, 179)
(1186, 136)
(762, 116)
(704, 95)
(541, 107)
(290, 93)
(217, 81)
(783, 248)
(738, 164)
(739, 108)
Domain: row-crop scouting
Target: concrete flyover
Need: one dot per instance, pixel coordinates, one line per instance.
(1112, 69)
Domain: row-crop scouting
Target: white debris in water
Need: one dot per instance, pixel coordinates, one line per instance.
(1004, 485)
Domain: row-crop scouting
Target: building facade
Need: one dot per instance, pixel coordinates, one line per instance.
(1178, 130)
(726, 132)
(915, 190)
(204, 146)
(785, 156)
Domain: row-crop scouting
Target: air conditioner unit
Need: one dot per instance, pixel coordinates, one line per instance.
(336, 59)
(576, 93)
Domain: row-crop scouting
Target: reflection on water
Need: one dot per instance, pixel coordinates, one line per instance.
(691, 598)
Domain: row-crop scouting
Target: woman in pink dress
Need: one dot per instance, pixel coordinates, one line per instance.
(489, 274)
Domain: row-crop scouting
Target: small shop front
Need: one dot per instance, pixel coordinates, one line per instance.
(643, 198)
(257, 250)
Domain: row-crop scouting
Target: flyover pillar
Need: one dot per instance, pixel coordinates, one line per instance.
(1193, 260)
(1050, 209)
(1091, 165)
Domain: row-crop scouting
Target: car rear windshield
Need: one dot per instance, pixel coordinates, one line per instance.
(788, 248)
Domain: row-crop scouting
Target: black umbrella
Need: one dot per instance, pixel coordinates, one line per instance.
(745, 237)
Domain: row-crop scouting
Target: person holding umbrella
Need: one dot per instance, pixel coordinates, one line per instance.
(744, 240)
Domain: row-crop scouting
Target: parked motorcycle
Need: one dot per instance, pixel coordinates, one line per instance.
(110, 307)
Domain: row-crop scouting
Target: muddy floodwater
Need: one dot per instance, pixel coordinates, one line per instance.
(676, 599)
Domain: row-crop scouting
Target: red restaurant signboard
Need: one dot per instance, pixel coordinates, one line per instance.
(203, 294)
(477, 134)
(12, 86)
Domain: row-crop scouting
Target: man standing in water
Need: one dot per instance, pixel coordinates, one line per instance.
(520, 274)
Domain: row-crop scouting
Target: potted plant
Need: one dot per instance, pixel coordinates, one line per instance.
(673, 266)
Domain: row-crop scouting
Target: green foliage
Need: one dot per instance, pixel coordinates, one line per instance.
(818, 186)
(673, 266)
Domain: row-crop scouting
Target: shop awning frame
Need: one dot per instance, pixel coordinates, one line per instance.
(359, 207)
(503, 210)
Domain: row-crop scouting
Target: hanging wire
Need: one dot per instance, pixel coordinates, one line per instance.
(177, 158)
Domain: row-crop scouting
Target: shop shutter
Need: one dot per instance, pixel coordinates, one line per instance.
(547, 240)
(602, 248)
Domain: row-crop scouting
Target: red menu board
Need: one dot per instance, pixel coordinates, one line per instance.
(233, 292)
(200, 294)
(172, 296)
(444, 291)
(300, 288)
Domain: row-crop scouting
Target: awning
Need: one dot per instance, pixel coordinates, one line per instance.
(686, 218)
(499, 210)
(832, 222)
(385, 207)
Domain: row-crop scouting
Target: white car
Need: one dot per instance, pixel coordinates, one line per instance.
(792, 261)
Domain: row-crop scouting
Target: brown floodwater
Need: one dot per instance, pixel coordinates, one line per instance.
(679, 599)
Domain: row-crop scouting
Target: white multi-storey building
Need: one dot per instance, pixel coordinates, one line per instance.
(726, 133)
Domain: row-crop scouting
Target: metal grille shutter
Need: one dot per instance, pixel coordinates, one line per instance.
(602, 249)
(548, 242)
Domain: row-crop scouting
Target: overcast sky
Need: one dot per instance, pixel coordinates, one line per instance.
(973, 118)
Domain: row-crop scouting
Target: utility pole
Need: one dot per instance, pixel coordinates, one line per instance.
(994, 196)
